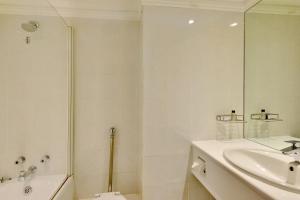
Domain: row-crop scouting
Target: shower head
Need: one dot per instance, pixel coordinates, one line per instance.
(30, 26)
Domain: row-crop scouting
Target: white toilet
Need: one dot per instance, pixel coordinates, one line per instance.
(110, 196)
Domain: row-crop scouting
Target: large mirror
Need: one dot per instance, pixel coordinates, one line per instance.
(35, 97)
(272, 71)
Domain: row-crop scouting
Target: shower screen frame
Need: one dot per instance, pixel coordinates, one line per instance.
(70, 153)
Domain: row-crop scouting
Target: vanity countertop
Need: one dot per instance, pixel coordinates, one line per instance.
(215, 148)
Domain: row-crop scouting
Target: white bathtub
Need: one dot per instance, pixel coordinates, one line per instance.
(128, 197)
(43, 188)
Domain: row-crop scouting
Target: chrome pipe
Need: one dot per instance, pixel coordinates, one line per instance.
(111, 158)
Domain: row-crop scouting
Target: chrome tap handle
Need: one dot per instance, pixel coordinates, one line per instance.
(45, 159)
(20, 160)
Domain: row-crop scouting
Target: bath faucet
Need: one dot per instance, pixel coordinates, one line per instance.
(24, 174)
(4, 179)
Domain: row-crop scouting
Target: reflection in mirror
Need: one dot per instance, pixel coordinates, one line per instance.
(272, 70)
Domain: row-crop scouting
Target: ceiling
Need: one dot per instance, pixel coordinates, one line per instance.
(136, 4)
(279, 7)
(99, 4)
(282, 2)
(119, 9)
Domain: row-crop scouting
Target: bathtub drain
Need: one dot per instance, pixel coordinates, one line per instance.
(28, 189)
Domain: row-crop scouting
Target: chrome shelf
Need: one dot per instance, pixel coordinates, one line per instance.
(266, 117)
(231, 118)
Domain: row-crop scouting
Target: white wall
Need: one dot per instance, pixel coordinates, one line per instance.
(34, 94)
(191, 74)
(272, 73)
(107, 93)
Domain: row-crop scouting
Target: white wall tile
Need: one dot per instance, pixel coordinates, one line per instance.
(191, 74)
(34, 94)
(107, 84)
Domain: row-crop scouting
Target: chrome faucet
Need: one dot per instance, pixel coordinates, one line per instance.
(293, 151)
(4, 179)
(24, 174)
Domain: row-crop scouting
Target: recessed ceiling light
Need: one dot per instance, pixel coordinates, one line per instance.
(234, 24)
(191, 21)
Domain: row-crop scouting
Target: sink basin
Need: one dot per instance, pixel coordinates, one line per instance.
(270, 166)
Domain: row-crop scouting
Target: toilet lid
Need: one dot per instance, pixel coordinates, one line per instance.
(110, 196)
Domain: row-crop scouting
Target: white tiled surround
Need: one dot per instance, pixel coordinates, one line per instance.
(34, 94)
(191, 74)
(107, 93)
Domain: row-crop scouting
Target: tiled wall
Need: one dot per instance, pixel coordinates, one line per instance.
(191, 74)
(34, 94)
(107, 93)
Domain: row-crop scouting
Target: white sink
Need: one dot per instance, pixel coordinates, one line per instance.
(269, 166)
